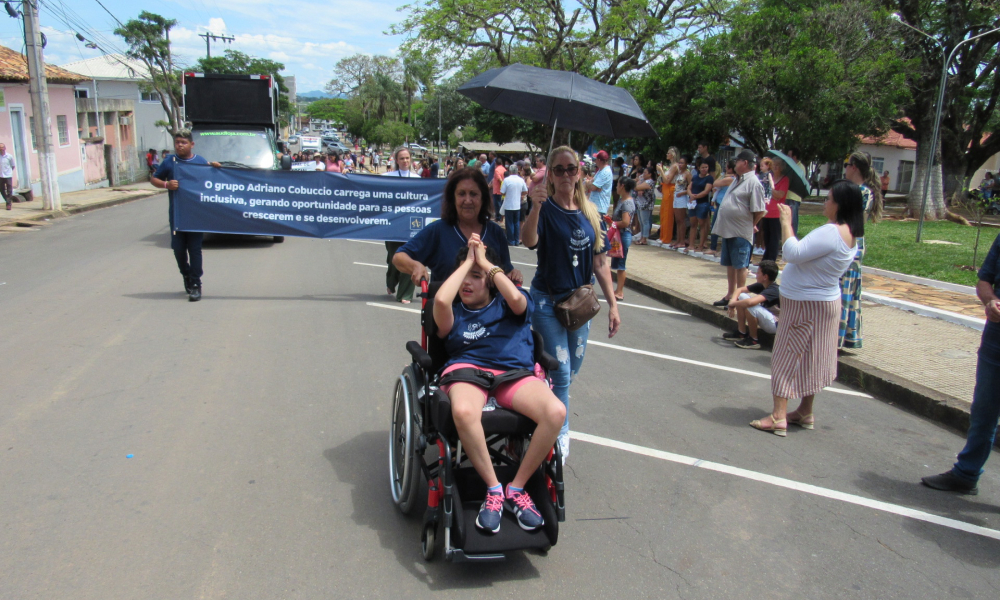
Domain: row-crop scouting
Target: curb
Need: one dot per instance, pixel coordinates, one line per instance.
(926, 311)
(912, 397)
(82, 208)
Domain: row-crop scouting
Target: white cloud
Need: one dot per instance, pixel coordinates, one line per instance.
(216, 25)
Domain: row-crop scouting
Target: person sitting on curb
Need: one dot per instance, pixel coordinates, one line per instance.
(752, 307)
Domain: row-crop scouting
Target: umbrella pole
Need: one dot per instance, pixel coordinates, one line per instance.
(552, 140)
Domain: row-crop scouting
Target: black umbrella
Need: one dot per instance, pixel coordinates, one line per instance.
(560, 99)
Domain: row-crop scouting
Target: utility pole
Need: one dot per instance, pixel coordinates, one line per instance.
(39, 91)
(211, 37)
(439, 121)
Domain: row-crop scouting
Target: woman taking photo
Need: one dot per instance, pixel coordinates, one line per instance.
(667, 190)
(565, 229)
(681, 177)
(805, 349)
(622, 219)
(645, 200)
(857, 170)
(465, 210)
(700, 193)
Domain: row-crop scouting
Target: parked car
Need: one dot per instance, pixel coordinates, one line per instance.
(417, 147)
(293, 139)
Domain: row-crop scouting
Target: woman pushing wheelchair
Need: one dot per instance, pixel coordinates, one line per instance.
(485, 323)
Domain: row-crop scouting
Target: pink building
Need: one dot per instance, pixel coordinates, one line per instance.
(16, 120)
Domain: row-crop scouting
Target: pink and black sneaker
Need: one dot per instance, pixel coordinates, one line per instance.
(520, 503)
(491, 511)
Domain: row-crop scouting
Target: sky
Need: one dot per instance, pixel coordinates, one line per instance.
(307, 36)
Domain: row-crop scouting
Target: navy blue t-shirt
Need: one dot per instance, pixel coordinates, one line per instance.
(566, 243)
(990, 271)
(438, 244)
(166, 173)
(492, 337)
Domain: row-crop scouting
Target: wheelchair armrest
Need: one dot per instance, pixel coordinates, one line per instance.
(548, 362)
(541, 356)
(419, 355)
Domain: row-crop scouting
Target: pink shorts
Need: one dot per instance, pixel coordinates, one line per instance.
(504, 394)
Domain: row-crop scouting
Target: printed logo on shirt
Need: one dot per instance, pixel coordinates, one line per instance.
(475, 331)
(579, 241)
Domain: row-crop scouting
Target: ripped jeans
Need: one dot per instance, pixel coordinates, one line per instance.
(567, 346)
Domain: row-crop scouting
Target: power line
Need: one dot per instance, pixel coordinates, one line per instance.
(109, 12)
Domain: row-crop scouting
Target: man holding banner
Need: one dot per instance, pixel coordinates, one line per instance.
(396, 283)
(186, 244)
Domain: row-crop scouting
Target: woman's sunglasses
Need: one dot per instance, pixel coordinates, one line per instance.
(560, 170)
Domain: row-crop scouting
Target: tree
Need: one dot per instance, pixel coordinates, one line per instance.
(604, 39)
(234, 62)
(969, 132)
(382, 97)
(148, 39)
(456, 111)
(673, 95)
(351, 73)
(391, 133)
(328, 109)
(813, 74)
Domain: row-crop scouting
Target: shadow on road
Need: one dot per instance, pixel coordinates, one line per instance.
(362, 462)
(733, 416)
(974, 549)
(214, 241)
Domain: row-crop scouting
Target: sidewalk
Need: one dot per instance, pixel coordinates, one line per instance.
(923, 364)
(23, 214)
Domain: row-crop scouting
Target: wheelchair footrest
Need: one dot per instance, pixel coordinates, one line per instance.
(459, 556)
(510, 537)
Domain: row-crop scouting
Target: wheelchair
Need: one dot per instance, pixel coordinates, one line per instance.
(424, 446)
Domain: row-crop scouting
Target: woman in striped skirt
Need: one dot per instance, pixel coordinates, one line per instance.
(805, 349)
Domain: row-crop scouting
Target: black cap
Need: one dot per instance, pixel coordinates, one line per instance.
(747, 155)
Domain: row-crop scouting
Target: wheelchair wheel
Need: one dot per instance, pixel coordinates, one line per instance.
(404, 471)
(428, 541)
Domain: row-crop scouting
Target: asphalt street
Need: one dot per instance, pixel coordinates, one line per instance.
(257, 424)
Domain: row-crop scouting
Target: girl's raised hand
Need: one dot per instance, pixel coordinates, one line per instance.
(481, 257)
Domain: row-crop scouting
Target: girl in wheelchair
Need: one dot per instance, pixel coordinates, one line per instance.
(485, 322)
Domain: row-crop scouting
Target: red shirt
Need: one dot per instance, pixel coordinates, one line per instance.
(777, 197)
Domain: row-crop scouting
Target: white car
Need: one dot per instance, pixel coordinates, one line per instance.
(415, 146)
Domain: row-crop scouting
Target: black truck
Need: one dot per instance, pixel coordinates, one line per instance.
(234, 120)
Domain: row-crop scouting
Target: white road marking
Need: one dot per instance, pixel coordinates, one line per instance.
(391, 307)
(662, 310)
(895, 509)
(514, 262)
(367, 242)
(710, 365)
(370, 265)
